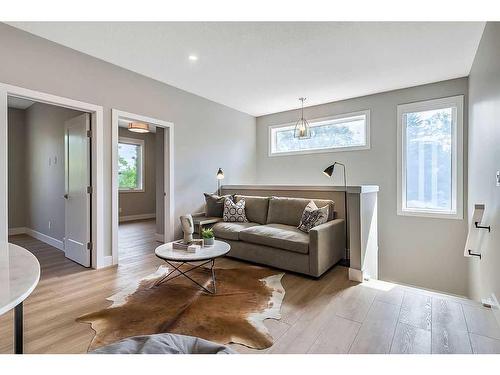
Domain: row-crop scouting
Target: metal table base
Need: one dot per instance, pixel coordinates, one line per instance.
(18, 329)
(177, 267)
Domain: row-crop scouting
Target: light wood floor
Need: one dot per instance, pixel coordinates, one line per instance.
(329, 315)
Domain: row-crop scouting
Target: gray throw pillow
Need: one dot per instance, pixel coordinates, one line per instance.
(312, 217)
(215, 204)
(234, 212)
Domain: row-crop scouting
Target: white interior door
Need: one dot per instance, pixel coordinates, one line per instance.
(77, 197)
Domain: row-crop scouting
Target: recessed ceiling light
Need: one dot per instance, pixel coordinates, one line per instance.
(193, 57)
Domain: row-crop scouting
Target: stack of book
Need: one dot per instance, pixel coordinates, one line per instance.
(191, 247)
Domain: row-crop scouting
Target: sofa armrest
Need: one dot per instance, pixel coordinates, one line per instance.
(326, 246)
(199, 214)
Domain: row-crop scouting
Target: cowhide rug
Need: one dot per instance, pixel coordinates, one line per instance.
(245, 297)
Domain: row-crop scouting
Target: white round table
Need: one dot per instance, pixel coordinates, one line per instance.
(19, 275)
(206, 255)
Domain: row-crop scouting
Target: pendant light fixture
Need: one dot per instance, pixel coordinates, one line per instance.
(138, 127)
(302, 128)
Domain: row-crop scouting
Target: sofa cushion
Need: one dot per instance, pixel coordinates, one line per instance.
(234, 212)
(313, 216)
(230, 231)
(255, 208)
(281, 236)
(214, 204)
(289, 211)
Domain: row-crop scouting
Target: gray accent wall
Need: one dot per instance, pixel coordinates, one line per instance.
(141, 203)
(425, 252)
(36, 166)
(208, 135)
(484, 159)
(17, 166)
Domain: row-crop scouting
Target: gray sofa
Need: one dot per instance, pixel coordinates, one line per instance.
(271, 236)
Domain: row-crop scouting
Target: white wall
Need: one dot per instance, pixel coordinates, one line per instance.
(419, 251)
(207, 135)
(484, 159)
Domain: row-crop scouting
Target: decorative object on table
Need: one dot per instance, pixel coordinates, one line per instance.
(187, 228)
(302, 127)
(234, 212)
(313, 216)
(208, 236)
(191, 246)
(329, 172)
(138, 127)
(220, 177)
(214, 204)
(247, 296)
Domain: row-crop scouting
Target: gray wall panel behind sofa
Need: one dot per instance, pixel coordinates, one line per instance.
(484, 159)
(207, 135)
(415, 250)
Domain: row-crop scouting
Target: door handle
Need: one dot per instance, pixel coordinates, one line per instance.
(66, 196)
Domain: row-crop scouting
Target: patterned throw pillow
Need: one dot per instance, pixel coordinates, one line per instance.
(312, 217)
(234, 212)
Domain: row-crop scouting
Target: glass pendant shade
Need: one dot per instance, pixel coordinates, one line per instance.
(138, 127)
(302, 128)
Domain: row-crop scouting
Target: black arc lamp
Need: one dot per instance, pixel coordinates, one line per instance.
(329, 172)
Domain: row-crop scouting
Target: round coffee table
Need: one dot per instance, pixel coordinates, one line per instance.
(19, 275)
(206, 255)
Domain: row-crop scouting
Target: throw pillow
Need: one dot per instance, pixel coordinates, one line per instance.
(312, 217)
(215, 204)
(234, 212)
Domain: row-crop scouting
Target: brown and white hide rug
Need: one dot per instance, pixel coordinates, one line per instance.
(246, 296)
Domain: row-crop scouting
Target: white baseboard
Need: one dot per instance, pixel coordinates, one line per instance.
(160, 237)
(58, 244)
(496, 308)
(16, 231)
(355, 275)
(137, 217)
(107, 261)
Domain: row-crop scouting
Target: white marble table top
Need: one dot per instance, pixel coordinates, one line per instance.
(166, 252)
(19, 275)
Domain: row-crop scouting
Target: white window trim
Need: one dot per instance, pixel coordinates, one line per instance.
(366, 113)
(457, 158)
(138, 142)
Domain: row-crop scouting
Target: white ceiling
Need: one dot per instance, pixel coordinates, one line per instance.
(19, 103)
(262, 68)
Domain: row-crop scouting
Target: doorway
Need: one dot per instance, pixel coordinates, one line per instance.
(49, 173)
(72, 176)
(143, 202)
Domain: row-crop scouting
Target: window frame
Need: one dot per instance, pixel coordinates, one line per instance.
(141, 143)
(341, 116)
(457, 157)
